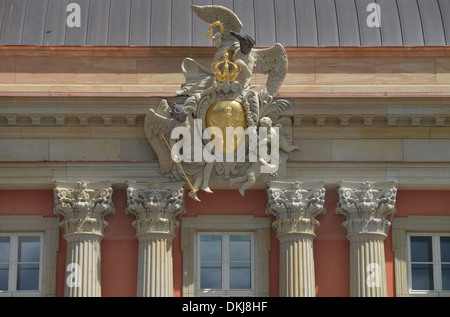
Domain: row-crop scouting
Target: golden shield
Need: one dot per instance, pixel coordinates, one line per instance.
(223, 114)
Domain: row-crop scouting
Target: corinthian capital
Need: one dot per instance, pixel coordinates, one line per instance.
(295, 206)
(83, 206)
(366, 205)
(155, 206)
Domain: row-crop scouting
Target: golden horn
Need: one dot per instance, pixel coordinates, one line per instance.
(217, 23)
(193, 192)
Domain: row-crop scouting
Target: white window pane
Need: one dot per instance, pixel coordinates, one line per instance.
(211, 275)
(27, 276)
(240, 247)
(445, 249)
(422, 276)
(29, 249)
(4, 274)
(210, 248)
(421, 249)
(446, 277)
(240, 276)
(4, 249)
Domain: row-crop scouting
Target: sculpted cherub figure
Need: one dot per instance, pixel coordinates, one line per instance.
(254, 171)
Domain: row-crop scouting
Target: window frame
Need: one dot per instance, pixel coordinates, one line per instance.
(436, 264)
(259, 226)
(14, 263)
(48, 229)
(402, 229)
(225, 290)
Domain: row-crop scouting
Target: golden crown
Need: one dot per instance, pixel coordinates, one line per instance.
(225, 70)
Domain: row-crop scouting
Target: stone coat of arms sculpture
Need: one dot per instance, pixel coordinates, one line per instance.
(220, 97)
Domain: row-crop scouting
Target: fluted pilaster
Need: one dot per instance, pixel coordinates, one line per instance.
(366, 207)
(297, 277)
(367, 269)
(84, 251)
(295, 206)
(83, 207)
(156, 206)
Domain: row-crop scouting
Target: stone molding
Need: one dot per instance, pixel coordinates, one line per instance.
(366, 206)
(83, 206)
(295, 206)
(156, 206)
(118, 118)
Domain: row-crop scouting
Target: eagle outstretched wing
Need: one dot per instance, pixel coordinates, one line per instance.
(272, 61)
(213, 13)
(158, 124)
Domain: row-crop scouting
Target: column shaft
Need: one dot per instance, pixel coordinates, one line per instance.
(84, 251)
(297, 267)
(367, 267)
(155, 278)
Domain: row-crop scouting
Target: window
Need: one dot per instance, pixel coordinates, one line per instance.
(28, 246)
(225, 255)
(421, 246)
(225, 264)
(429, 263)
(20, 263)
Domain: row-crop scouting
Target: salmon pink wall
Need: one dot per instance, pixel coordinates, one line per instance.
(120, 247)
(119, 251)
(331, 252)
(26, 202)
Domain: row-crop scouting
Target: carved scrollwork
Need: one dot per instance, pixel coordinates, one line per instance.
(366, 206)
(155, 206)
(295, 206)
(83, 206)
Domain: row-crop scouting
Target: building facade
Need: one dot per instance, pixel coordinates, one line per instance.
(360, 208)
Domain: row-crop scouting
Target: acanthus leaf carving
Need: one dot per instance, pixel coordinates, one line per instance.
(155, 206)
(295, 206)
(83, 206)
(366, 206)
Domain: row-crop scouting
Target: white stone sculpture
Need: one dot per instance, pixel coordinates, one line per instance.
(224, 86)
(272, 61)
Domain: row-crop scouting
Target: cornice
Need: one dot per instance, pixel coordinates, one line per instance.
(130, 111)
(198, 51)
(40, 175)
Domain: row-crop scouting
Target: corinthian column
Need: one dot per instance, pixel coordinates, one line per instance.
(295, 206)
(155, 206)
(366, 206)
(83, 207)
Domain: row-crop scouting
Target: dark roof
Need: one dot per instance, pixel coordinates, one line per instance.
(172, 23)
